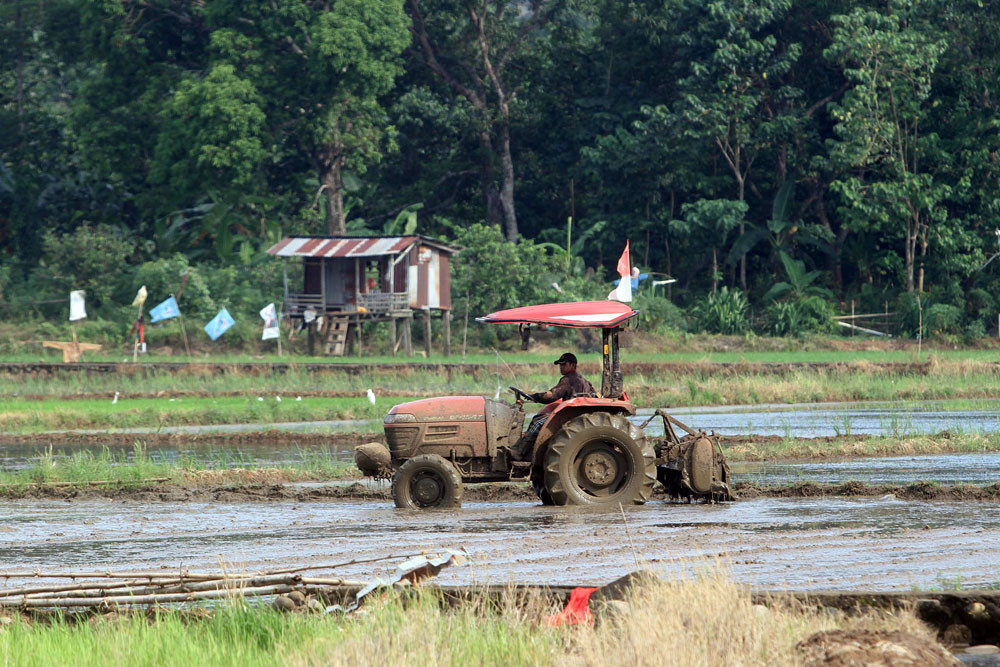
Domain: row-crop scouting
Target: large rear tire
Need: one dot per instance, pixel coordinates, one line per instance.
(538, 486)
(599, 459)
(427, 481)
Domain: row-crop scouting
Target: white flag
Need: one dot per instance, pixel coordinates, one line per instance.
(270, 316)
(76, 308)
(624, 290)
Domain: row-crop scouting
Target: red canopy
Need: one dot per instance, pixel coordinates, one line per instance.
(603, 314)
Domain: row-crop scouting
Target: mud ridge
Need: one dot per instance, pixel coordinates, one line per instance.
(501, 492)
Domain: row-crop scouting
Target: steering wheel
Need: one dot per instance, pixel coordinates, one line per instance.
(521, 395)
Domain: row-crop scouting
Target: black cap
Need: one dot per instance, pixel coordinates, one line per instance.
(568, 357)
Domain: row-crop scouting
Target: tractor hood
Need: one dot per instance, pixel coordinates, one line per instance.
(448, 408)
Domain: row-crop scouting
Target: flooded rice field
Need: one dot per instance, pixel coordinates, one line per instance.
(797, 544)
(944, 469)
(842, 419)
(889, 419)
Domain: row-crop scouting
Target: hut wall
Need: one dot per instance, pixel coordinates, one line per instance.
(427, 278)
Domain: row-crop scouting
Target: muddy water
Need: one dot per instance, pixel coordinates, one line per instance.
(843, 543)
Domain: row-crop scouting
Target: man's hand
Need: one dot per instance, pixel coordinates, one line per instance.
(537, 396)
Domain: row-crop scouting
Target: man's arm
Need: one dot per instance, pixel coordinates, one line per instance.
(561, 390)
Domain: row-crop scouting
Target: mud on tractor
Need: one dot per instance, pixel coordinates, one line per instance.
(585, 450)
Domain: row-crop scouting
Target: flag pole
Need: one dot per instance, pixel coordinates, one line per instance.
(279, 333)
(187, 348)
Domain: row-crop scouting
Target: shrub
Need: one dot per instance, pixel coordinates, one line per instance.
(91, 259)
(723, 312)
(942, 318)
(810, 314)
(162, 277)
(657, 312)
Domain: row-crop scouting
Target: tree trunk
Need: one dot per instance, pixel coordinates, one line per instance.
(19, 66)
(741, 191)
(331, 176)
(715, 270)
(491, 196)
(507, 183)
(910, 253)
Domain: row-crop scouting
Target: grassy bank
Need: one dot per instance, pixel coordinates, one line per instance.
(53, 414)
(769, 449)
(84, 467)
(31, 402)
(705, 620)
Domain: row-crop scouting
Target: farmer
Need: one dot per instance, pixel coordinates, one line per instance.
(570, 384)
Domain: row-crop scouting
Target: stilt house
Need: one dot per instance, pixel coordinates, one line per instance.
(352, 280)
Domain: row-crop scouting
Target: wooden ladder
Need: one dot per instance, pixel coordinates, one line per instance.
(336, 336)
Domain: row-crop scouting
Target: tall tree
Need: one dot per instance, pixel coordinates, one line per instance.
(733, 97)
(890, 60)
(471, 46)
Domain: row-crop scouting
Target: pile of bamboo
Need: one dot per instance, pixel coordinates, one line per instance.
(103, 590)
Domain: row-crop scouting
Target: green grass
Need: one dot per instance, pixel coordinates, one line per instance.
(244, 635)
(702, 618)
(84, 466)
(35, 416)
(22, 415)
(848, 447)
(802, 353)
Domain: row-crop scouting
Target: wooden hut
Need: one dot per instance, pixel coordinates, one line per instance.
(350, 280)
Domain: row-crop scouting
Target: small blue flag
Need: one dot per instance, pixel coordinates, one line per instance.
(219, 324)
(164, 311)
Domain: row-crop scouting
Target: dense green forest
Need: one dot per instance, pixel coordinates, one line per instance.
(779, 158)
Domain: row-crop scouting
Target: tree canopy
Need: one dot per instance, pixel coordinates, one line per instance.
(791, 151)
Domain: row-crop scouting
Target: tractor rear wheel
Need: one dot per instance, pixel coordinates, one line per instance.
(427, 481)
(599, 458)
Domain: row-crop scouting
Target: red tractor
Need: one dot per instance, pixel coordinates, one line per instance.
(584, 450)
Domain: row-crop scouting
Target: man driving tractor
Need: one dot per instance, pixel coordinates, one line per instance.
(570, 384)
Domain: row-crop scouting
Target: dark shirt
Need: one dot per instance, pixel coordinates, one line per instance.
(570, 385)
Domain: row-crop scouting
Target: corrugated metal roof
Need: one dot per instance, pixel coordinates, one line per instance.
(341, 246)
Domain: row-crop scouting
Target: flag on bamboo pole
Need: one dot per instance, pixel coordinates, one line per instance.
(624, 290)
(164, 311)
(219, 324)
(77, 311)
(270, 316)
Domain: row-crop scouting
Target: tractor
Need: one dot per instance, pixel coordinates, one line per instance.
(584, 450)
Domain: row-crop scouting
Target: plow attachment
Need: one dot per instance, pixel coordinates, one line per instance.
(691, 466)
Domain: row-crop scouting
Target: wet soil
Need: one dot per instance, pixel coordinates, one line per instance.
(827, 543)
(493, 493)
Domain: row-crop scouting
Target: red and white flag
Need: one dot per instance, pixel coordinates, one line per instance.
(624, 290)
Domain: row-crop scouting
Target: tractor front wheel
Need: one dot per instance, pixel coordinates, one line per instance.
(597, 459)
(425, 482)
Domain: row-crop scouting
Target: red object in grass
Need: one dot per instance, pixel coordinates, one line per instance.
(577, 609)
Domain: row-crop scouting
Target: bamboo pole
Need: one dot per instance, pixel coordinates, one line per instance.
(156, 598)
(187, 574)
(143, 587)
